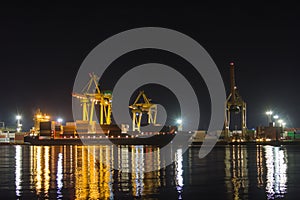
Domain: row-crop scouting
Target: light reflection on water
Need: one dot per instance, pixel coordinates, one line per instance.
(179, 172)
(276, 180)
(18, 172)
(237, 170)
(87, 172)
(59, 175)
(271, 170)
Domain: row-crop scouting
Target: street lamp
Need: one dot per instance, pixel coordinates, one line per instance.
(19, 125)
(283, 124)
(179, 123)
(280, 121)
(269, 114)
(59, 120)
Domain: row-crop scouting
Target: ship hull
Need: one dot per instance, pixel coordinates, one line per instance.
(157, 140)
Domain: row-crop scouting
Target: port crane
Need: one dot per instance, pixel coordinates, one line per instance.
(139, 107)
(91, 96)
(234, 104)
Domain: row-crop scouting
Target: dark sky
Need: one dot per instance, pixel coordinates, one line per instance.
(43, 46)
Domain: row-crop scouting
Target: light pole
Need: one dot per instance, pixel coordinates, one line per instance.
(280, 122)
(275, 117)
(283, 124)
(269, 114)
(179, 123)
(19, 125)
(59, 120)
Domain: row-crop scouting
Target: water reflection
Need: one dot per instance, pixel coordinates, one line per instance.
(276, 180)
(59, 175)
(271, 170)
(260, 166)
(179, 172)
(237, 169)
(88, 172)
(18, 171)
(138, 176)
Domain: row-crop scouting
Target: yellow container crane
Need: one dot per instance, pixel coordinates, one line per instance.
(91, 96)
(138, 109)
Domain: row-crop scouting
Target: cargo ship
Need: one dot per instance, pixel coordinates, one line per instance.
(82, 132)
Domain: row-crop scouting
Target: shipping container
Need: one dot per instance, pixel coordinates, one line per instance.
(291, 134)
(19, 137)
(58, 128)
(70, 123)
(69, 130)
(50, 125)
(81, 122)
(45, 133)
(82, 127)
(45, 125)
(198, 136)
(297, 136)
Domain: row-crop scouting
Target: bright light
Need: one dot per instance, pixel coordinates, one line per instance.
(283, 124)
(269, 112)
(179, 121)
(60, 120)
(18, 117)
(280, 121)
(276, 116)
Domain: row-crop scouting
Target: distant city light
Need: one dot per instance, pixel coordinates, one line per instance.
(18, 117)
(276, 116)
(60, 120)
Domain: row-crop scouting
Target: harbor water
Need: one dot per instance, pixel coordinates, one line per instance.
(86, 172)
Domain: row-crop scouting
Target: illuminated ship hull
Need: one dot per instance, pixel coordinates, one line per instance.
(109, 134)
(157, 140)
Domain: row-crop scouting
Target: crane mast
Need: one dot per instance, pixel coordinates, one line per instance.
(234, 104)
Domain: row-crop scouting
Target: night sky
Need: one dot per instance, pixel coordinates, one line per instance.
(43, 46)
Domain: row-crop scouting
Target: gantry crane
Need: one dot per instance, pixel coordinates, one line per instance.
(105, 101)
(234, 103)
(138, 108)
(91, 96)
